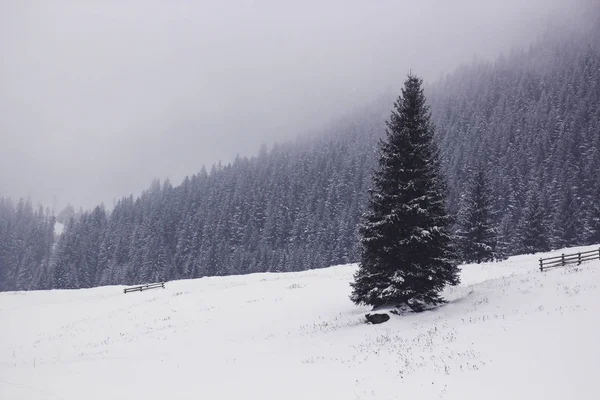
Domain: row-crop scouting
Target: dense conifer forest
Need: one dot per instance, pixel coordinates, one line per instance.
(529, 120)
(532, 120)
(26, 240)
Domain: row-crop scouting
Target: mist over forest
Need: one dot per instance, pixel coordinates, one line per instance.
(528, 119)
(98, 99)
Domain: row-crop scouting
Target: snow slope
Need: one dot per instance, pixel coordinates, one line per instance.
(508, 332)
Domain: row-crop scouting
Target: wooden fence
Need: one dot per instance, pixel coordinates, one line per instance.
(566, 259)
(144, 287)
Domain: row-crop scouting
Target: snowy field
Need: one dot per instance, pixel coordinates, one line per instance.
(508, 332)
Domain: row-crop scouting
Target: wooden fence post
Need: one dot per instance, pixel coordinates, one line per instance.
(541, 265)
(578, 258)
(563, 259)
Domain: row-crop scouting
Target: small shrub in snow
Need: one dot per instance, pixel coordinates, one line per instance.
(295, 286)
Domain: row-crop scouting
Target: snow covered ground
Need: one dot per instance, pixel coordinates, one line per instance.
(508, 332)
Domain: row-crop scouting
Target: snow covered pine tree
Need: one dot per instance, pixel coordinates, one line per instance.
(406, 252)
(477, 233)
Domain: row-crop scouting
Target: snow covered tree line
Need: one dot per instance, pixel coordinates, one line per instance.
(294, 206)
(528, 122)
(26, 239)
(531, 121)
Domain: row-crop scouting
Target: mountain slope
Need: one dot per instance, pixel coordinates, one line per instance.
(508, 331)
(531, 119)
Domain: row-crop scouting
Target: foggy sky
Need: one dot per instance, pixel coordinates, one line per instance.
(98, 97)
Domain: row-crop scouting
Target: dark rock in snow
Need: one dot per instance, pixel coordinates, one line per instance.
(377, 318)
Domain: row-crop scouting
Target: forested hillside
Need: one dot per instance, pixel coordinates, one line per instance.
(290, 208)
(26, 238)
(530, 120)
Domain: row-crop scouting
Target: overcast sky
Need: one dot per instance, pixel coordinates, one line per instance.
(98, 97)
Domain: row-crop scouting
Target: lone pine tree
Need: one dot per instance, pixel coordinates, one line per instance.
(406, 250)
(477, 232)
